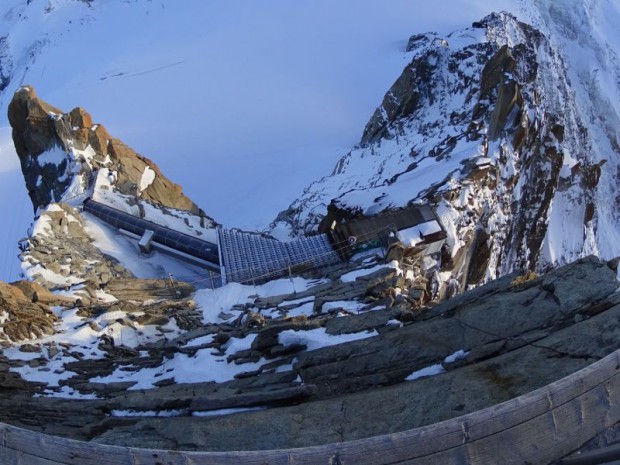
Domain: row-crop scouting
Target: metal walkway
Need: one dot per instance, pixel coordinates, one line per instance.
(240, 257)
(252, 258)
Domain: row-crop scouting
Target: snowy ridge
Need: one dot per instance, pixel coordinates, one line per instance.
(528, 188)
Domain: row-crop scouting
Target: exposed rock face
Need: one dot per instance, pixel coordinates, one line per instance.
(57, 149)
(37, 293)
(23, 318)
(484, 126)
(33, 134)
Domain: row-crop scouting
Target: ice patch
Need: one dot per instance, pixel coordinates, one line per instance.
(148, 176)
(146, 413)
(314, 339)
(425, 372)
(459, 354)
(225, 411)
(438, 368)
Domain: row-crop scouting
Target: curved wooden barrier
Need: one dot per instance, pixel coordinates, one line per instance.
(537, 427)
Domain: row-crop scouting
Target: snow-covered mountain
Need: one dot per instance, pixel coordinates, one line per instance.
(577, 82)
(509, 130)
(506, 126)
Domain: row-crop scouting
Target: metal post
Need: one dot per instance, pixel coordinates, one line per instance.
(211, 279)
(175, 293)
(252, 275)
(290, 277)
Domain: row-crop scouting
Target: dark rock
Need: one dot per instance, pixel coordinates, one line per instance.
(268, 336)
(613, 263)
(372, 319)
(164, 382)
(249, 399)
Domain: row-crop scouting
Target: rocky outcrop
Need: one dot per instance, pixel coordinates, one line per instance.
(411, 91)
(55, 148)
(23, 318)
(33, 134)
(60, 252)
(495, 342)
(67, 160)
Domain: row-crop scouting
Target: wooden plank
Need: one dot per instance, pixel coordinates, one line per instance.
(515, 411)
(62, 450)
(14, 457)
(144, 457)
(549, 436)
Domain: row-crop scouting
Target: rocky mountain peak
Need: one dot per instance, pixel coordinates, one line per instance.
(61, 153)
(484, 126)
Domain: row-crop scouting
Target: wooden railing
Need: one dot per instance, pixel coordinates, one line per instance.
(537, 427)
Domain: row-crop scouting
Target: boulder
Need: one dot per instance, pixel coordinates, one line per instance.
(37, 293)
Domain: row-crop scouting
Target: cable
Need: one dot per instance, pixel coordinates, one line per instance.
(527, 343)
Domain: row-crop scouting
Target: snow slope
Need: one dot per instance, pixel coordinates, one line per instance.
(588, 36)
(258, 98)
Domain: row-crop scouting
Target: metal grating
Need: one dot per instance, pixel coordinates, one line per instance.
(245, 257)
(252, 258)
